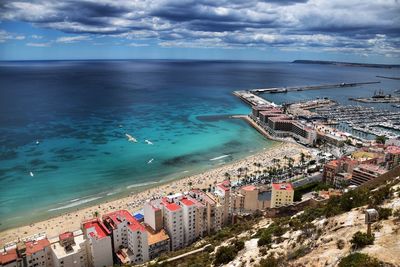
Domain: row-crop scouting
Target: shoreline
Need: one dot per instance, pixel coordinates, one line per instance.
(70, 221)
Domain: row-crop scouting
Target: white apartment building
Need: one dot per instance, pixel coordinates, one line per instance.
(189, 220)
(129, 237)
(99, 243)
(173, 222)
(69, 250)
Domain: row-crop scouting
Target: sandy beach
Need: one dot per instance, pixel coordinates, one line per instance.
(71, 221)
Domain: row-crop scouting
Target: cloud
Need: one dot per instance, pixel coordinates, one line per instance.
(6, 36)
(39, 44)
(72, 39)
(356, 26)
(137, 45)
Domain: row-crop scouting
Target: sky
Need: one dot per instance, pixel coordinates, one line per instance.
(277, 30)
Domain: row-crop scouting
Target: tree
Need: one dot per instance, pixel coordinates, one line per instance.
(224, 255)
(380, 139)
(96, 214)
(361, 240)
(359, 260)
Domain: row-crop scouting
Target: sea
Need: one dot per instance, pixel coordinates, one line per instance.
(64, 125)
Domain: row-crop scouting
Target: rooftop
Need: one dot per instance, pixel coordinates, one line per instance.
(119, 216)
(37, 245)
(156, 237)
(249, 188)
(61, 252)
(8, 256)
(171, 206)
(95, 228)
(65, 235)
(283, 186)
(223, 187)
(187, 202)
(393, 149)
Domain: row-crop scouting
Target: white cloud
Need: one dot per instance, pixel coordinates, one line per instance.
(39, 44)
(5, 36)
(72, 39)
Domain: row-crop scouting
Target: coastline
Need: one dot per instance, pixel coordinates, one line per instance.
(71, 221)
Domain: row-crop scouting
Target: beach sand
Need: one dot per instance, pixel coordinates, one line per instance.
(71, 221)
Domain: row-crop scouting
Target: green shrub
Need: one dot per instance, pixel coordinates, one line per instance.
(361, 240)
(238, 244)
(384, 213)
(224, 255)
(271, 261)
(265, 239)
(359, 260)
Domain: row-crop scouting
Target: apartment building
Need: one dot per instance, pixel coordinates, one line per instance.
(129, 237)
(189, 220)
(69, 250)
(173, 222)
(99, 245)
(32, 252)
(281, 195)
(366, 172)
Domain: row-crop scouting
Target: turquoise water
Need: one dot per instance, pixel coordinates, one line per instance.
(80, 111)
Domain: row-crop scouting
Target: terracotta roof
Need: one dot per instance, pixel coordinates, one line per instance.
(156, 237)
(223, 187)
(8, 256)
(187, 202)
(283, 186)
(65, 235)
(118, 216)
(97, 229)
(36, 246)
(171, 206)
(249, 188)
(393, 149)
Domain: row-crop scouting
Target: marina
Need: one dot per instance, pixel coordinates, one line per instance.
(365, 119)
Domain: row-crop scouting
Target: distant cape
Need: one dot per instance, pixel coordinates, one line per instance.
(346, 63)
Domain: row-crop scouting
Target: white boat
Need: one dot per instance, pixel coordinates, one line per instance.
(31, 174)
(148, 142)
(131, 138)
(37, 142)
(150, 161)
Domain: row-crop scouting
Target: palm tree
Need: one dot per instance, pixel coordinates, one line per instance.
(227, 176)
(96, 214)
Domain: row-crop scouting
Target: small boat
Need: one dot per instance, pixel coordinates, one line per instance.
(131, 138)
(148, 142)
(31, 174)
(37, 142)
(150, 161)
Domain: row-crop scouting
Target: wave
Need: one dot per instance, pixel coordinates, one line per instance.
(220, 157)
(140, 184)
(75, 203)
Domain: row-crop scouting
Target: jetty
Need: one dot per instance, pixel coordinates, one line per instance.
(275, 90)
(252, 99)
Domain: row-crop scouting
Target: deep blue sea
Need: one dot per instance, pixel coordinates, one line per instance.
(65, 121)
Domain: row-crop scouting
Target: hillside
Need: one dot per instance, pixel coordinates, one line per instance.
(315, 237)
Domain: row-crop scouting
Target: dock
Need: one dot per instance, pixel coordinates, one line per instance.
(307, 87)
(252, 99)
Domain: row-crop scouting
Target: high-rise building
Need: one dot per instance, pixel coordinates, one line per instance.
(129, 237)
(99, 243)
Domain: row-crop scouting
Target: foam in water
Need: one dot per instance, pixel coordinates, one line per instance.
(75, 203)
(220, 157)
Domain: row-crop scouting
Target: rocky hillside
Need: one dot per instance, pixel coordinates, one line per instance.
(332, 234)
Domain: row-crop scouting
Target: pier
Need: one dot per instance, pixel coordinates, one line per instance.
(308, 87)
(252, 99)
